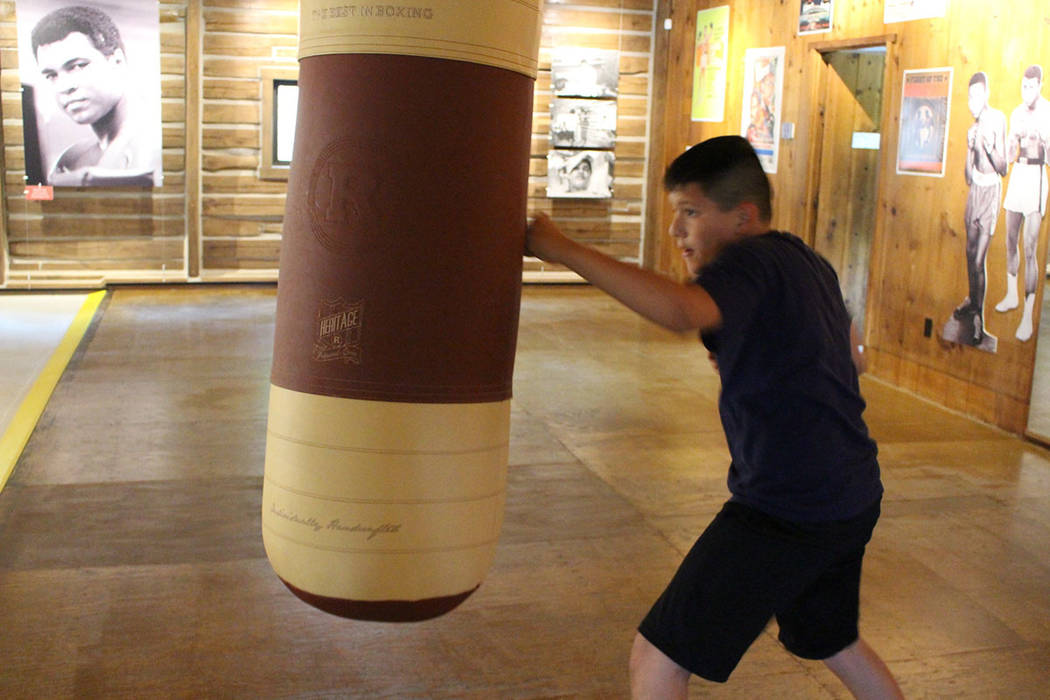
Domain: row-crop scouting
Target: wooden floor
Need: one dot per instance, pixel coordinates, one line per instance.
(131, 564)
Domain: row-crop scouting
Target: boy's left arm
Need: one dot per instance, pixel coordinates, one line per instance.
(678, 307)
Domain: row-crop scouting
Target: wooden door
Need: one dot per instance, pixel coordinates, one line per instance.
(851, 118)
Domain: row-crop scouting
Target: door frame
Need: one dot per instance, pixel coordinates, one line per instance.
(817, 70)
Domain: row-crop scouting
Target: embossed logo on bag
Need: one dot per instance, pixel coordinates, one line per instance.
(339, 197)
(339, 331)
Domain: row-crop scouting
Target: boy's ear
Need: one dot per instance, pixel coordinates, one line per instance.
(747, 213)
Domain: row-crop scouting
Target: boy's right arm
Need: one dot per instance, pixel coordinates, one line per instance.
(678, 307)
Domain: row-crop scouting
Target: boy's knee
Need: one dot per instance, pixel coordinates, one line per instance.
(653, 673)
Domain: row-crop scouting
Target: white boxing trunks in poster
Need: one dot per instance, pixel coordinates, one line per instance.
(1026, 192)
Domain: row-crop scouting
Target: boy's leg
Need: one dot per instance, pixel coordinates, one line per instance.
(864, 673)
(654, 675)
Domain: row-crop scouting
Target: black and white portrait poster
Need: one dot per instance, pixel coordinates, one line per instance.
(580, 174)
(90, 73)
(579, 72)
(582, 123)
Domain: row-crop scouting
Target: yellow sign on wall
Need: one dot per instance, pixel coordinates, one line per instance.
(710, 64)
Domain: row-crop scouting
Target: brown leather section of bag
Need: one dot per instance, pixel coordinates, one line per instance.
(382, 610)
(400, 274)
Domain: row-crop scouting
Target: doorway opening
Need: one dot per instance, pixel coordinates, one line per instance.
(848, 133)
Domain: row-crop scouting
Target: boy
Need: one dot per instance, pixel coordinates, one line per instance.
(804, 477)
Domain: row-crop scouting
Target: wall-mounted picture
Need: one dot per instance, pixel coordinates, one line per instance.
(92, 73)
(763, 88)
(922, 142)
(1027, 146)
(580, 174)
(908, 10)
(577, 72)
(814, 16)
(709, 64)
(582, 123)
(983, 169)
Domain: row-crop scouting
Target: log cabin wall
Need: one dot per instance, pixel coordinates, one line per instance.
(917, 266)
(217, 217)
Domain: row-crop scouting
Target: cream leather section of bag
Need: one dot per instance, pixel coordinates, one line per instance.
(374, 500)
(501, 33)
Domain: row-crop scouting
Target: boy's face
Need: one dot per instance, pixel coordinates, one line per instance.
(87, 83)
(699, 227)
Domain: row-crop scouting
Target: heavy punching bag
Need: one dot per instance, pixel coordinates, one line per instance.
(397, 303)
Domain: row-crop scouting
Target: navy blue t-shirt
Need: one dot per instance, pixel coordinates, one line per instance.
(790, 403)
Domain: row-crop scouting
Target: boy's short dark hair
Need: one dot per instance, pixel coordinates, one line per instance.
(729, 172)
(93, 23)
(1034, 71)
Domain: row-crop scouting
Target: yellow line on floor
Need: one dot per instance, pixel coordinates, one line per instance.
(14, 439)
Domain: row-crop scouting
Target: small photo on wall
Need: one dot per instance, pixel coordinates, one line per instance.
(814, 16)
(922, 141)
(582, 123)
(580, 174)
(577, 72)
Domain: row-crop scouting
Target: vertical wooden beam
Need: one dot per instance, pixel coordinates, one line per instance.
(3, 219)
(194, 48)
(3, 208)
(653, 227)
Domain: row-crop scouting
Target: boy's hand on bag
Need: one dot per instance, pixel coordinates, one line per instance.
(543, 239)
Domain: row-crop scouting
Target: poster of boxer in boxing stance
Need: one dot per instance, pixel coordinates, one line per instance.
(1025, 202)
(985, 167)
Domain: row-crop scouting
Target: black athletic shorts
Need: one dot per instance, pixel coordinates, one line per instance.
(748, 567)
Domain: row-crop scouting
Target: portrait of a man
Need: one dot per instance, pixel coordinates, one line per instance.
(96, 115)
(1028, 143)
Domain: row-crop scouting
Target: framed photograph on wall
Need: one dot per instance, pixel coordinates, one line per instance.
(814, 16)
(578, 72)
(583, 123)
(93, 67)
(763, 90)
(580, 174)
(923, 138)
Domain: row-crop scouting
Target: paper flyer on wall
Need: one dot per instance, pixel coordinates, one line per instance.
(909, 10)
(763, 90)
(709, 64)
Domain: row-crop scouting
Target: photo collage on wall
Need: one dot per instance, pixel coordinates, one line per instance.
(585, 83)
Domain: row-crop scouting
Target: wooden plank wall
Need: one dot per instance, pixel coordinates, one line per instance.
(215, 218)
(612, 225)
(242, 214)
(918, 261)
